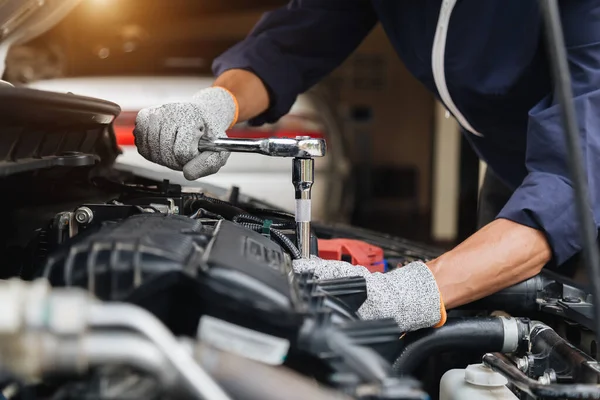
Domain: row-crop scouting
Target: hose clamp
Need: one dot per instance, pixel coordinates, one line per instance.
(511, 334)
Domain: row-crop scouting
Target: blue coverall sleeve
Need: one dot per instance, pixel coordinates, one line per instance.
(545, 199)
(293, 47)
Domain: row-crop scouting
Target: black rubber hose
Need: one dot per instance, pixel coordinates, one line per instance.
(564, 94)
(475, 334)
(279, 237)
(518, 299)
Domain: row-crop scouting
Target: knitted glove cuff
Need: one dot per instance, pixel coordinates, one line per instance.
(413, 297)
(218, 106)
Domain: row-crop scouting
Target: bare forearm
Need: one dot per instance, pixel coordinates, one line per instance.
(501, 254)
(249, 91)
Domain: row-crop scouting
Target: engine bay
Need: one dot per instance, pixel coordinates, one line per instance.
(117, 286)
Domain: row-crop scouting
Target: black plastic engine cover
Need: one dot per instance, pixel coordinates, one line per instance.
(121, 256)
(225, 278)
(180, 269)
(237, 254)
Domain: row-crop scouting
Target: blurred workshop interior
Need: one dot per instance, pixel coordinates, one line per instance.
(405, 169)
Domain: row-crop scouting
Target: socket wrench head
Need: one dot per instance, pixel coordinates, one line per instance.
(307, 147)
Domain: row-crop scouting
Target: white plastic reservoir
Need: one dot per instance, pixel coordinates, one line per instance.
(476, 382)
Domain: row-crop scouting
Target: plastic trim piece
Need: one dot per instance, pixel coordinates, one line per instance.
(40, 129)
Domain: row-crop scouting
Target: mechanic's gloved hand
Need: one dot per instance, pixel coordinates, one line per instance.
(408, 294)
(169, 134)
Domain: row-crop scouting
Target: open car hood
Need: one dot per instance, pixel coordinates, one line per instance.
(22, 20)
(41, 130)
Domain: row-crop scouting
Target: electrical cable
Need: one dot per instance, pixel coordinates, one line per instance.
(248, 213)
(247, 218)
(195, 201)
(564, 94)
(201, 212)
(257, 220)
(279, 237)
(143, 209)
(200, 196)
(287, 243)
(271, 213)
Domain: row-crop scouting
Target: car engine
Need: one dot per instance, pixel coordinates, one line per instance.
(121, 287)
(212, 279)
(118, 286)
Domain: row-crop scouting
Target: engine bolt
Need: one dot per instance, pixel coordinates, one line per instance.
(523, 363)
(84, 215)
(548, 377)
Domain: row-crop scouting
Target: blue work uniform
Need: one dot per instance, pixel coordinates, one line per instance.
(486, 60)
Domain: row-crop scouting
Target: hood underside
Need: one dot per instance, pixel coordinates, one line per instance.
(22, 20)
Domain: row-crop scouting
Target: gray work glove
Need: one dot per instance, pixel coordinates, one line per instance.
(408, 294)
(169, 134)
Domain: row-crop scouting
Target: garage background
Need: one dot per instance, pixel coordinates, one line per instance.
(413, 174)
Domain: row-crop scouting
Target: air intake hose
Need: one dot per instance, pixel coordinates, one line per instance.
(518, 299)
(488, 334)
